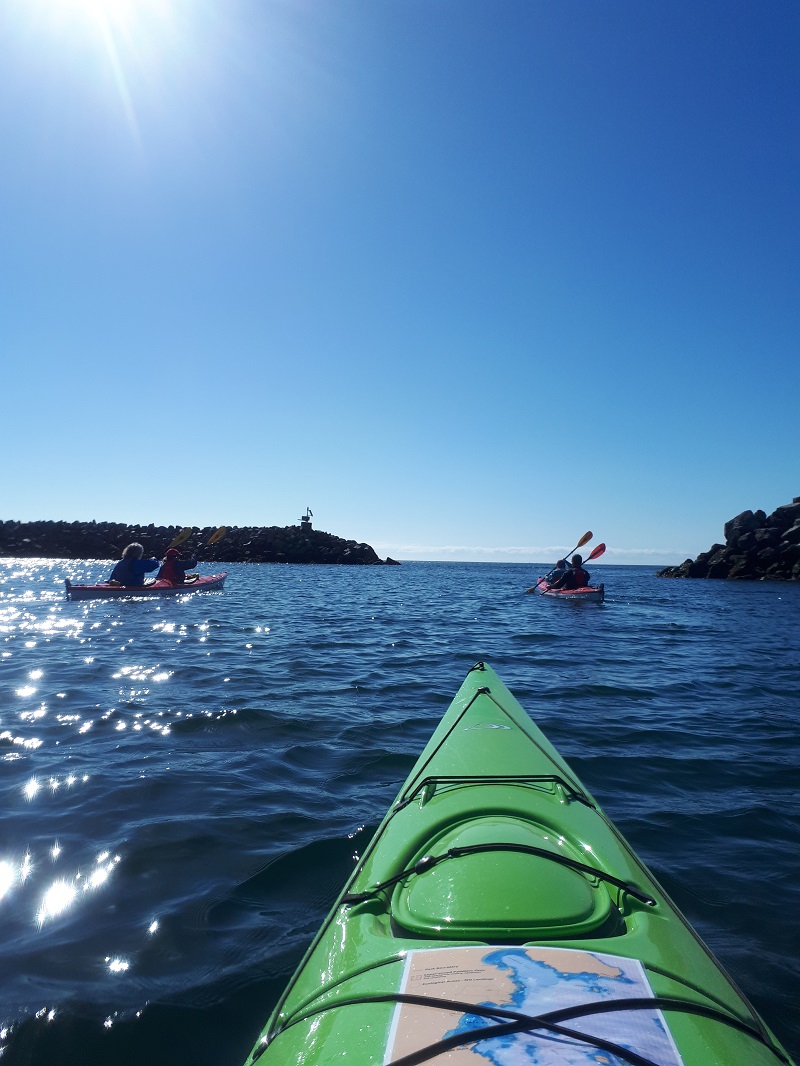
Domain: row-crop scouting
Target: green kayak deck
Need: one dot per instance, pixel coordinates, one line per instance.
(498, 916)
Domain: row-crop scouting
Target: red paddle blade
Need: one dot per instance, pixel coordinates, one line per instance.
(598, 551)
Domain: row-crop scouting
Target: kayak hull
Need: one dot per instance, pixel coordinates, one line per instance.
(494, 890)
(157, 588)
(588, 594)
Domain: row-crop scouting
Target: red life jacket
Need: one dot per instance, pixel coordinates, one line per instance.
(575, 578)
(171, 572)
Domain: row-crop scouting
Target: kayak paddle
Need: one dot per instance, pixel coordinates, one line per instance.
(187, 531)
(587, 536)
(184, 534)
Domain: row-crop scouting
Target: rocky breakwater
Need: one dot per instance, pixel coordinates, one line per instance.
(246, 544)
(758, 547)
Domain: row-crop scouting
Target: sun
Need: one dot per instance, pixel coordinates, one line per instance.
(118, 13)
(130, 41)
(141, 66)
(96, 8)
(124, 17)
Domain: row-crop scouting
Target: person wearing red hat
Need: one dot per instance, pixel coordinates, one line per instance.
(174, 567)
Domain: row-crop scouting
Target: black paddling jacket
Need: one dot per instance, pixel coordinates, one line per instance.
(576, 578)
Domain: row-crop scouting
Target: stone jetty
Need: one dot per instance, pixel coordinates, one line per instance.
(758, 547)
(246, 544)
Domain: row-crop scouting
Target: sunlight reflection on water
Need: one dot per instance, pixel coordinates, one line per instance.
(172, 770)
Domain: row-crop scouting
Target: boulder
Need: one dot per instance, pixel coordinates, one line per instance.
(784, 517)
(721, 568)
(699, 568)
(767, 537)
(746, 522)
(742, 566)
(757, 547)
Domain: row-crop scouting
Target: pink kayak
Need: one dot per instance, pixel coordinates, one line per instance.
(589, 594)
(154, 588)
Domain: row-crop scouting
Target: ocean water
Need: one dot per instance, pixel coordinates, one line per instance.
(185, 782)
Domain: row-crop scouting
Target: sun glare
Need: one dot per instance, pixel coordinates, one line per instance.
(131, 38)
(114, 13)
(139, 21)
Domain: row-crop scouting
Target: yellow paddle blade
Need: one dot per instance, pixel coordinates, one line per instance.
(218, 535)
(584, 539)
(184, 534)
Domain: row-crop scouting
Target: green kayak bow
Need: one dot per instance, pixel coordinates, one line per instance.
(498, 916)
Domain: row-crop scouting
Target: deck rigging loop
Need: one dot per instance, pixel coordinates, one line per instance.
(427, 862)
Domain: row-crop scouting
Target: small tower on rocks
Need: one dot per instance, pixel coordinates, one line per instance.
(305, 520)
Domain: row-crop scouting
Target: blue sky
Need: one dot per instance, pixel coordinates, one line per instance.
(465, 277)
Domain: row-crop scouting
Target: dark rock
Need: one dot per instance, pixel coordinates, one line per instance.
(769, 537)
(784, 517)
(253, 544)
(745, 522)
(742, 567)
(757, 547)
(720, 568)
(746, 542)
(767, 557)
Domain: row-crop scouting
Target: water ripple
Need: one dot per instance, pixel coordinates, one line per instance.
(187, 783)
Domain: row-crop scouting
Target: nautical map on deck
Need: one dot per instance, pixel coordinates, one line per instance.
(532, 980)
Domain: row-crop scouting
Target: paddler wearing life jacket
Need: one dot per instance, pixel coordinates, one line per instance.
(174, 567)
(558, 571)
(574, 578)
(131, 568)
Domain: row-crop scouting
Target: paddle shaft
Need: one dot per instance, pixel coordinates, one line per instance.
(587, 536)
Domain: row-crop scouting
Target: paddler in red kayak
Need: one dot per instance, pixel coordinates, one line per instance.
(558, 571)
(131, 568)
(174, 567)
(574, 578)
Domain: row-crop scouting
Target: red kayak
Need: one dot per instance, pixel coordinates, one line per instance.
(105, 591)
(589, 594)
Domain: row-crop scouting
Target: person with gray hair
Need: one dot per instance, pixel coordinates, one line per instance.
(131, 568)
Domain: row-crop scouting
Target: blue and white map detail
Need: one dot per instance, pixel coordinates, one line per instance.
(533, 981)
